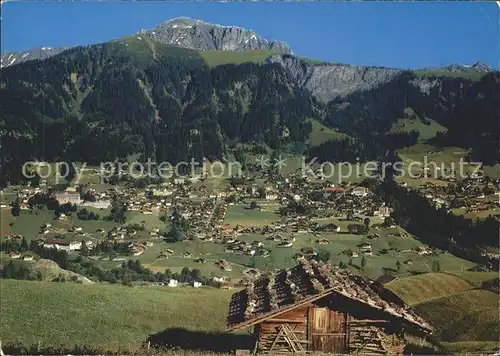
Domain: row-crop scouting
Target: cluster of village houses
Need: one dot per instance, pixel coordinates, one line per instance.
(205, 210)
(469, 194)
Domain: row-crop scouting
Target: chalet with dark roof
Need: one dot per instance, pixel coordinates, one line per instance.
(315, 307)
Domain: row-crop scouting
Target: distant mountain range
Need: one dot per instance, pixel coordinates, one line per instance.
(13, 58)
(188, 89)
(183, 32)
(464, 68)
(202, 36)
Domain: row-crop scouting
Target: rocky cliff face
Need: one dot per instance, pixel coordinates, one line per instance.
(464, 68)
(38, 53)
(182, 32)
(200, 35)
(328, 81)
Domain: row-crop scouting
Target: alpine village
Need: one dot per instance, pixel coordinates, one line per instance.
(282, 222)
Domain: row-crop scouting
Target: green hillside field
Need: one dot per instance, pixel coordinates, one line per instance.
(443, 73)
(426, 131)
(215, 58)
(64, 317)
(321, 133)
(465, 316)
(477, 278)
(103, 317)
(424, 287)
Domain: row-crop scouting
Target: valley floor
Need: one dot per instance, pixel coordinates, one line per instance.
(62, 317)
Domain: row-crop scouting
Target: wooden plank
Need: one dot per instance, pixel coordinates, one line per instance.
(319, 325)
(276, 340)
(309, 329)
(348, 331)
(258, 320)
(337, 326)
(328, 334)
(292, 339)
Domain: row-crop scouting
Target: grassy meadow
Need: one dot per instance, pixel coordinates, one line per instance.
(465, 317)
(470, 315)
(216, 58)
(388, 249)
(104, 317)
(426, 131)
(472, 75)
(421, 288)
(240, 214)
(321, 133)
(118, 319)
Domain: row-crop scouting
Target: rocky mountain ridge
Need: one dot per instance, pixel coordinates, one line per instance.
(465, 68)
(138, 96)
(183, 32)
(330, 80)
(204, 36)
(12, 58)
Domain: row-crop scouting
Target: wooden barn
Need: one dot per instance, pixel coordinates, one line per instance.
(315, 307)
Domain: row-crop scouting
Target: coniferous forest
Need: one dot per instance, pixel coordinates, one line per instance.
(108, 101)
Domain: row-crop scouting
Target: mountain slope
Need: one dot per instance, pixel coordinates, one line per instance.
(182, 32)
(328, 81)
(465, 316)
(200, 35)
(48, 270)
(12, 58)
(477, 67)
(466, 108)
(135, 95)
(102, 319)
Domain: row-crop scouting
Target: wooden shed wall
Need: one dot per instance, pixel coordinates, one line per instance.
(321, 328)
(267, 331)
(372, 337)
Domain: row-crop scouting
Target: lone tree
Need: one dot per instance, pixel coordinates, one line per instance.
(398, 265)
(16, 207)
(261, 191)
(175, 233)
(363, 262)
(67, 171)
(253, 205)
(323, 255)
(84, 249)
(367, 222)
(435, 266)
(118, 209)
(24, 245)
(388, 221)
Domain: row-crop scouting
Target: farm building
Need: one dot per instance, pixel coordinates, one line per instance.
(68, 197)
(315, 307)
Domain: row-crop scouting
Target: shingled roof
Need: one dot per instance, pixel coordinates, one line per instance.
(274, 294)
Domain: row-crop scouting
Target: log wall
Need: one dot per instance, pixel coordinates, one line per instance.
(364, 336)
(370, 336)
(267, 331)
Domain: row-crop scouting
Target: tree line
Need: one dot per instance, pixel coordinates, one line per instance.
(437, 227)
(129, 271)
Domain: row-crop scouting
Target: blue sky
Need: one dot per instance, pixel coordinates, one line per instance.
(392, 34)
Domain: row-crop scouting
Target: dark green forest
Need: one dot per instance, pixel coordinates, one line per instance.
(438, 227)
(108, 101)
